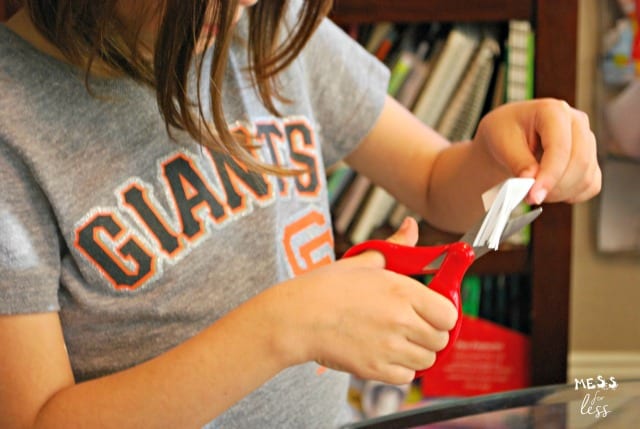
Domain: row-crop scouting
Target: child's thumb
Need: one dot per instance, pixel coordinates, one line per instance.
(407, 234)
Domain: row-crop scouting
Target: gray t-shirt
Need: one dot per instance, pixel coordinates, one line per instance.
(140, 241)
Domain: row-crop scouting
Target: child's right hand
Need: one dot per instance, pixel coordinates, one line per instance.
(355, 316)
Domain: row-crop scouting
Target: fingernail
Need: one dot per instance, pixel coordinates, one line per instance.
(539, 195)
(529, 171)
(405, 224)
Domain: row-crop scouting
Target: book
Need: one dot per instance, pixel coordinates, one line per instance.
(428, 51)
(382, 38)
(378, 33)
(410, 53)
(409, 61)
(501, 309)
(374, 212)
(486, 308)
(412, 50)
(384, 49)
(348, 207)
(499, 298)
(338, 181)
(408, 93)
(470, 291)
(498, 96)
(520, 47)
(486, 358)
(460, 45)
(399, 213)
(461, 117)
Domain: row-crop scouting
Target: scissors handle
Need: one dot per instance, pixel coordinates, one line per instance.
(411, 260)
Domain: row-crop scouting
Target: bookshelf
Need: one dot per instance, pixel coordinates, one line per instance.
(7, 7)
(547, 260)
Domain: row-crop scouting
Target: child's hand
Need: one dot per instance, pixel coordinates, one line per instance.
(358, 317)
(546, 139)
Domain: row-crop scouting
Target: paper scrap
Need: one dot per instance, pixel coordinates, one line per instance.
(499, 202)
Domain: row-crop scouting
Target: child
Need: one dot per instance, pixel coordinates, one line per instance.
(165, 242)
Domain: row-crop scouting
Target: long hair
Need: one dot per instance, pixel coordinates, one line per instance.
(89, 32)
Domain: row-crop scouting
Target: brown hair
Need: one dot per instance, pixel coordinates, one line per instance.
(89, 31)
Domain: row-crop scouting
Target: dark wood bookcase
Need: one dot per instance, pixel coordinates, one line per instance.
(7, 7)
(547, 259)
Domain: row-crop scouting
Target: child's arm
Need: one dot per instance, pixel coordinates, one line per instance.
(184, 387)
(545, 139)
(351, 315)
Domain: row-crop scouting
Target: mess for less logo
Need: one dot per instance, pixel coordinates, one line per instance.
(593, 402)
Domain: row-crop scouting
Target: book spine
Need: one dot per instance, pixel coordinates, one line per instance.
(353, 197)
(338, 182)
(375, 211)
(459, 47)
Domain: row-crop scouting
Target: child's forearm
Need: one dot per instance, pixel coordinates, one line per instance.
(185, 387)
(440, 180)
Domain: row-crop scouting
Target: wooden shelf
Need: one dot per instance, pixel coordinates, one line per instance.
(349, 11)
(7, 8)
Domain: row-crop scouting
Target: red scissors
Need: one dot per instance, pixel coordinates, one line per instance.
(448, 262)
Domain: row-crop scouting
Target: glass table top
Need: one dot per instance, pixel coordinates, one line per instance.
(590, 404)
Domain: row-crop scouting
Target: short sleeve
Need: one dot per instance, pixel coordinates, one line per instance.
(29, 242)
(348, 87)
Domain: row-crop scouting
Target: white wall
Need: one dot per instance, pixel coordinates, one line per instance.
(605, 289)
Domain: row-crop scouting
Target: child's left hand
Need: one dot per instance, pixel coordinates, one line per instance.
(546, 139)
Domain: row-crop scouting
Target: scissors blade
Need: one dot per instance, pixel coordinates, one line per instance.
(519, 222)
(513, 225)
(470, 236)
